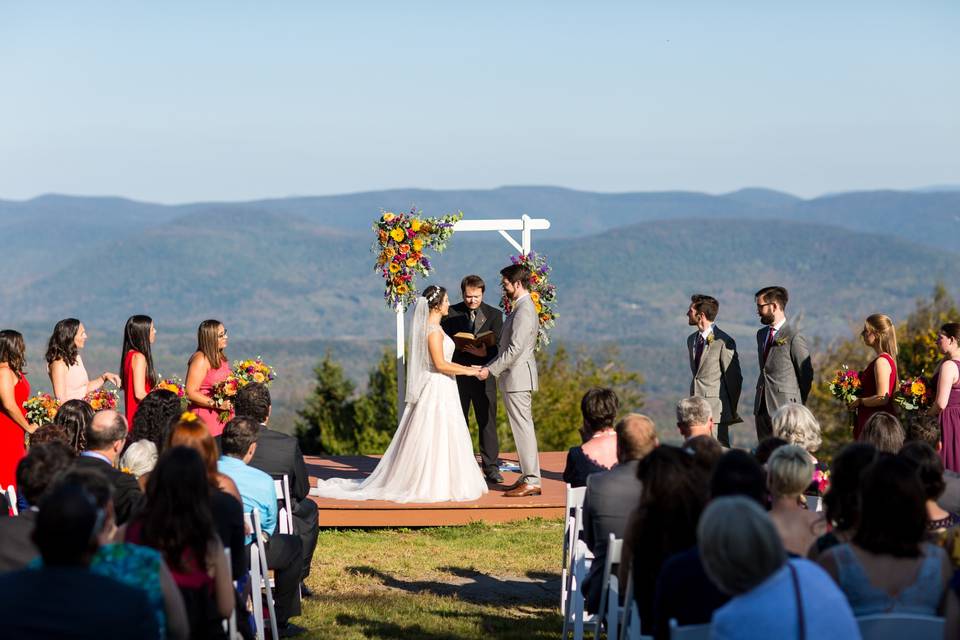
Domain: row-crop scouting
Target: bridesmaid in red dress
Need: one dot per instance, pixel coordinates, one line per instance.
(946, 403)
(14, 391)
(137, 374)
(879, 380)
(208, 366)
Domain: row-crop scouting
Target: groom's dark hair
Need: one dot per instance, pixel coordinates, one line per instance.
(773, 294)
(516, 273)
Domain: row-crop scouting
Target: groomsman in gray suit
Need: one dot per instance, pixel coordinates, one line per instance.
(786, 372)
(714, 364)
(516, 371)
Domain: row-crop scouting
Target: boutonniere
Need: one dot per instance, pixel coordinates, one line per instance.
(710, 339)
(780, 342)
(127, 470)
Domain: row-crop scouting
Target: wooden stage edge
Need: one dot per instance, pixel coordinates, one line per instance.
(492, 508)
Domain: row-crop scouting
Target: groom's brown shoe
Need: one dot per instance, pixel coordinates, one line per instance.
(518, 483)
(523, 491)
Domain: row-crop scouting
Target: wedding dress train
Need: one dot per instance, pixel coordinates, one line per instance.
(430, 458)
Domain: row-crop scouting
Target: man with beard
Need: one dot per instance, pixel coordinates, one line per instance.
(786, 372)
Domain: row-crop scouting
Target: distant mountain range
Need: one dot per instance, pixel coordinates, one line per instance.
(295, 275)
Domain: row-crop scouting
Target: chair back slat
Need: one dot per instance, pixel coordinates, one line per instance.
(894, 626)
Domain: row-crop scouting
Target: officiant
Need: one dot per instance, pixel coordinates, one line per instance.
(474, 316)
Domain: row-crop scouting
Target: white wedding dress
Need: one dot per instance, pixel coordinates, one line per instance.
(430, 458)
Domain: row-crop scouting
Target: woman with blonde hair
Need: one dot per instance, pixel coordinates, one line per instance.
(789, 471)
(879, 379)
(207, 367)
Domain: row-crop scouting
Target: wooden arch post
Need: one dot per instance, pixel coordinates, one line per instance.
(525, 225)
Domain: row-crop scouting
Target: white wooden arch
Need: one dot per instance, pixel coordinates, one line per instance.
(525, 225)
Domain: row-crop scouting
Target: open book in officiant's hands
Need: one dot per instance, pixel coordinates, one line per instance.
(467, 339)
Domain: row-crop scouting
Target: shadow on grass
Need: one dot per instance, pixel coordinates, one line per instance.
(487, 625)
(541, 589)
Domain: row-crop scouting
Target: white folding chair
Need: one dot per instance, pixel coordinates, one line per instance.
(574, 499)
(689, 632)
(580, 561)
(630, 622)
(814, 503)
(12, 499)
(230, 624)
(894, 626)
(285, 516)
(610, 594)
(260, 577)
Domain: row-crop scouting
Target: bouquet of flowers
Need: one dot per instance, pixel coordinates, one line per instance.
(845, 385)
(172, 384)
(914, 394)
(542, 292)
(401, 242)
(244, 372)
(102, 398)
(41, 409)
(821, 478)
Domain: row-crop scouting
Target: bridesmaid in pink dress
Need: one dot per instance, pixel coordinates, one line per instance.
(208, 366)
(14, 390)
(65, 366)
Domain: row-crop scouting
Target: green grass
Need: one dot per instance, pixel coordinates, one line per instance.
(475, 581)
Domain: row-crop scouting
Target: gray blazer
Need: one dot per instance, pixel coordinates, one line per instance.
(718, 380)
(787, 375)
(516, 367)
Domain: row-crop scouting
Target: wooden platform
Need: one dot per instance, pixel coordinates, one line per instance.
(492, 507)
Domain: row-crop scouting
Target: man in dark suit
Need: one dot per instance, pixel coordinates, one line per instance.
(278, 454)
(35, 474)
(475, 316)
(612, 495)
(106, 434)
(63, 598)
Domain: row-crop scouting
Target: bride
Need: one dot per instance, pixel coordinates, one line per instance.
(430, 458)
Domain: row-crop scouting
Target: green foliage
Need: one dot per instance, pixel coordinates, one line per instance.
(375, 412)
(918, 355)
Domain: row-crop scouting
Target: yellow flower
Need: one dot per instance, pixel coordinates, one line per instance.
(535, 296)
(394, 267)
(402, 289)
(258, 377)
(538, 307)
(417, 244)
(390, 252)
(388, 217)
(188, 416)
(411, 262)
(918, 388)
(415, 224)
(398, 235)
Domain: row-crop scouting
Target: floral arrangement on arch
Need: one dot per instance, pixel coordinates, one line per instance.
(402, 239)
(542, 292)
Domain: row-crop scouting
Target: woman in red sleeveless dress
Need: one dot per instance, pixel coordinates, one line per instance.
(945, 387)
(14, 391)
(208, 366)
(879, 380)
(136, 370)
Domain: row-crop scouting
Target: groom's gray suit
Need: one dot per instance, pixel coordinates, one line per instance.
(516, 372)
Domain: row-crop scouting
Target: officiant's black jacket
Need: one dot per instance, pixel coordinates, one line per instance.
(458, 319)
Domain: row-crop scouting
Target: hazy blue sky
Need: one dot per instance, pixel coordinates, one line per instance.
(178, 101)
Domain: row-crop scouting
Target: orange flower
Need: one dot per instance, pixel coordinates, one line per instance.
(404, 248)
(383, 237)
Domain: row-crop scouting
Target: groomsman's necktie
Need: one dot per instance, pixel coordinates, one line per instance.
(699, 352)
(766, 347)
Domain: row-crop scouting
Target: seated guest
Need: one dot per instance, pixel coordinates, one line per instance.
(609, 491)
(139, 567)
(772, 596)
(598, 452)
(225, 504)
(139, 460)
(927, 429)
(664, 523)
(883, 431)
(155, 413)
(278, 454)
(684, 591)
(788, 473)
(706, 451)
(176, 520)
(766, 447)
(284, 552)
(797, 425)
(887, 568)
(841, 503)
(64, 599)
(929, 466)
(105, 436)
(35, 475)
(70, 424)
(694, 418)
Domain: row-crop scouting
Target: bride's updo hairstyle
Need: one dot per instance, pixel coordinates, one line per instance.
(434, 296)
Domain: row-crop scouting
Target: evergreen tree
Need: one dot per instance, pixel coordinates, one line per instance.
(326, 422)
(375, 412)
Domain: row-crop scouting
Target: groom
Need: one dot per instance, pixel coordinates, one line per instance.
(516, 373)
